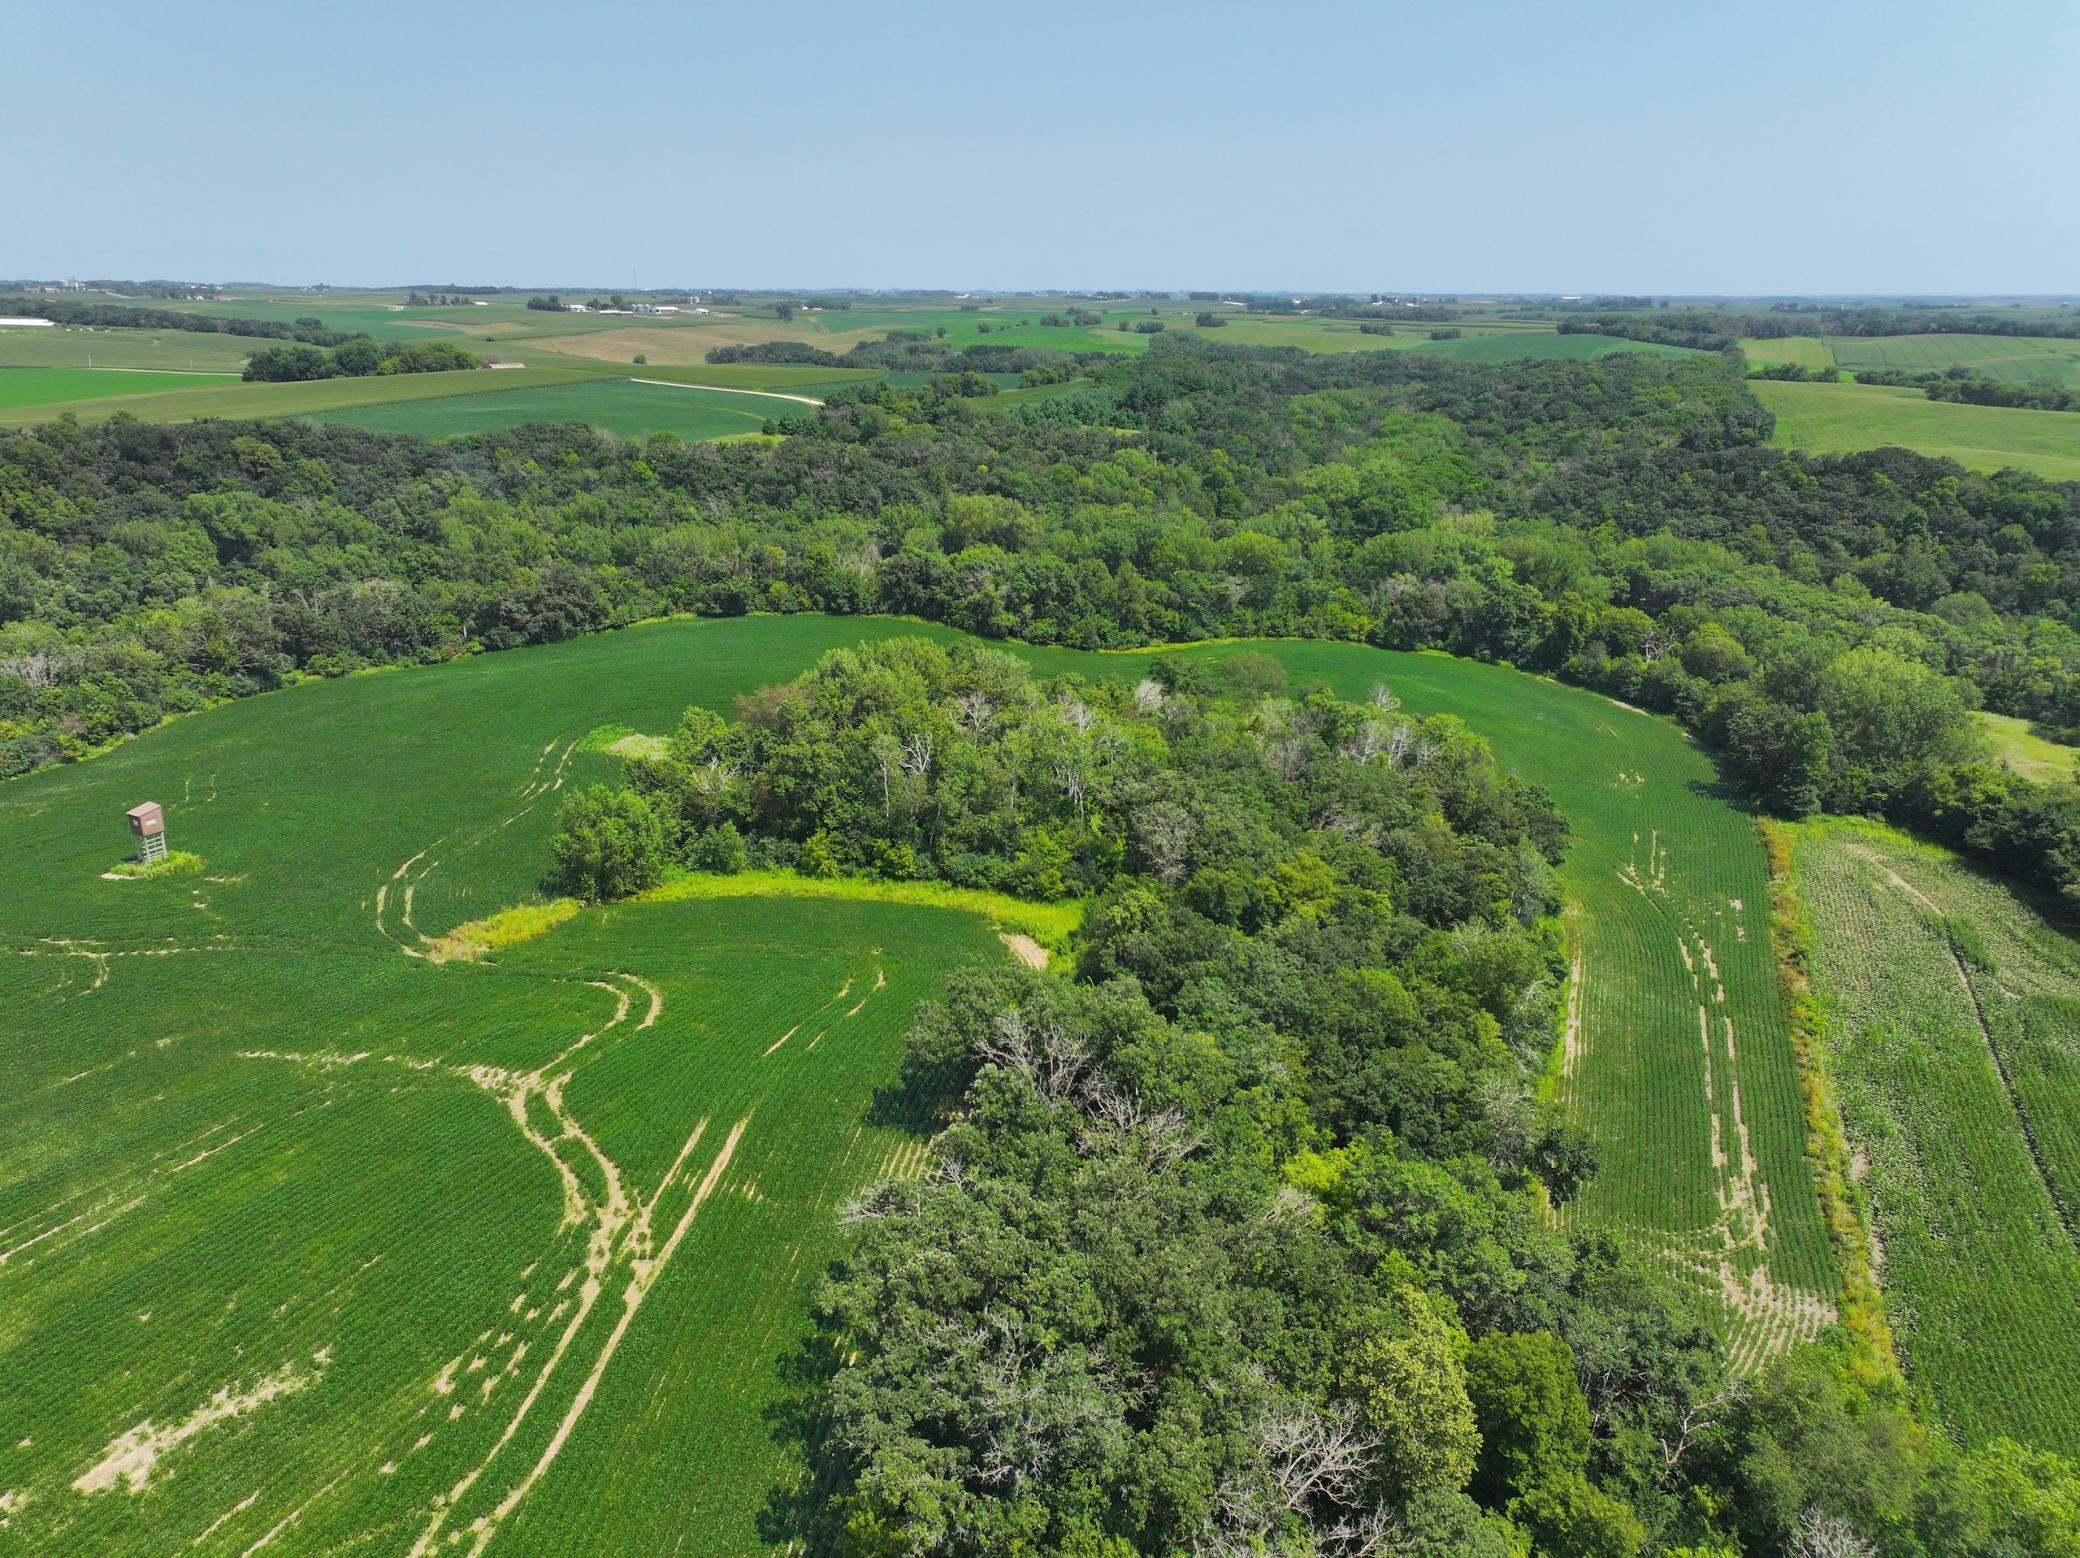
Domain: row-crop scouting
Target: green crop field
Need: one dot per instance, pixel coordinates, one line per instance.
(620, 406)
(1517, 345)
(788, 379)
(331, 1237)
(1804, 351)
(2048, 360)
(1841, 418)
(386, 321)
(2051, 360)
(170, 351)
(222, 398)
(335, 1239)
(42, 386)
(1953, 1017)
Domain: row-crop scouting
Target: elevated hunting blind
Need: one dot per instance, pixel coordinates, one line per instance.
(148, 822)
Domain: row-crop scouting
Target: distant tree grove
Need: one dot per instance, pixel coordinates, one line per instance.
(356, 358)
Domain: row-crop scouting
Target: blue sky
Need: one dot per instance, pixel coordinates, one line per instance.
(1604, 145)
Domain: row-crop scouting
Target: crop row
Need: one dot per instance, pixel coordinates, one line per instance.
(1981, 1274)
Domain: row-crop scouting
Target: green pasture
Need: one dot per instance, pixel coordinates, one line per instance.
(1953, 1039)
(1842, 418)
(2023, 750)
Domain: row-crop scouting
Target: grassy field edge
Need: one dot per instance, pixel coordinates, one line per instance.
(1049, 925)
(1844, 1207)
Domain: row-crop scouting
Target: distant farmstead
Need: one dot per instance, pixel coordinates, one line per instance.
(8, 322)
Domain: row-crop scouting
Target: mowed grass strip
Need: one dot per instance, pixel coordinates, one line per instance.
(1953, 1038)
(2018, 745)
(1843, 418)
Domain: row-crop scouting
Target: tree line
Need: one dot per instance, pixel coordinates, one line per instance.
(128, 316)
(1969, 388)
(1715, 330)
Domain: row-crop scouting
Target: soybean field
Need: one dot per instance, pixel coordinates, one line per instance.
(308, 1240)
(1953, 1038)
(626, 407)
(2051, 360)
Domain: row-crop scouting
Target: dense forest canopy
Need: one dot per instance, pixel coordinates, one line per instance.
(1827, 623)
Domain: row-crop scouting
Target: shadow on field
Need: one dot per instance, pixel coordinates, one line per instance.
(1725, 793)
(938, 1067)
(798, 1511)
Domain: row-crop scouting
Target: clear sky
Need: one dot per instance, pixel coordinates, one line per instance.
(1602, 145)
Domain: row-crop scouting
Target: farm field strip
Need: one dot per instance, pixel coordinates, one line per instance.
(2026, 359)
(150, 350)
(39, 386)
(237, 399)
(629, 408)
(1954, 1038)
(1845, 418)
